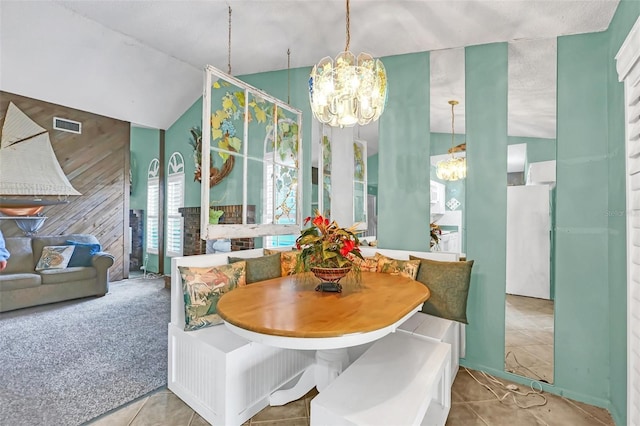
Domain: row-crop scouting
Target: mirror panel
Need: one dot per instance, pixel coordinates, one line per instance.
(447, 198)
(529, 312)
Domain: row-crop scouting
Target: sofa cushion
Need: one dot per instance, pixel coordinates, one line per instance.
(63, 276)
(18, 281)
(288, 260)
(83, 252)
(260, 268)
(54, 257)
(21, 259)
(368, 264)
(203, 287)
(448, 283)
(407, 268)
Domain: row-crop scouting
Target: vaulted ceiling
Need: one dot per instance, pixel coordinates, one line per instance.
(142, 61)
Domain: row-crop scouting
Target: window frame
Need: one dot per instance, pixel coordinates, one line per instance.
(243, 230)
(175, 174)
(153, 186)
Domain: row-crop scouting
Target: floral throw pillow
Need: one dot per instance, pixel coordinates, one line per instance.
(203, 288)
(406, 268)
(368, 264)
(55, 257)
(288, 260)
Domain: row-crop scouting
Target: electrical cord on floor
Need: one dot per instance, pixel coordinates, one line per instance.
(152, 275)
(512, 390)
(522, 367)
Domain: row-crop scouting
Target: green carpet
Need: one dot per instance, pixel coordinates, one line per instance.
(67, 363)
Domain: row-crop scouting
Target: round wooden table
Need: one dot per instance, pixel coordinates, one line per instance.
(287, 312)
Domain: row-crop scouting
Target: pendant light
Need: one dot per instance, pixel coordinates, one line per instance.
(452, 168)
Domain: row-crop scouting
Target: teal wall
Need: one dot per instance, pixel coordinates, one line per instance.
(177, 140)
(403, 153)
(441, 142)
(486, 202)
(582, 310)
(144, 146)
(538, 149)
(372, 170)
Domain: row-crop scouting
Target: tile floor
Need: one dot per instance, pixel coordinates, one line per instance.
(472, 404)
(529, 337)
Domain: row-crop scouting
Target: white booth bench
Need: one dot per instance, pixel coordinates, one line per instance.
(227, 379)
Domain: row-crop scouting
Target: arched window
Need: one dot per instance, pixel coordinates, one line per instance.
(153, 196)
(175, 201)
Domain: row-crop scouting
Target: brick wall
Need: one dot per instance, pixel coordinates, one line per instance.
(193, 244)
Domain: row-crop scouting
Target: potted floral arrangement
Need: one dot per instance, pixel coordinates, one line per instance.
(435, 236)
(327, 250)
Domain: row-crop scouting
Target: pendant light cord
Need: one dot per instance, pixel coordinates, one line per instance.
(453, 103)
(346, 49)
(229, 52)
(288, 76)
(453, 131)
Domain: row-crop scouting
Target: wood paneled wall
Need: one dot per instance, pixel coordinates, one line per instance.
(96, 163)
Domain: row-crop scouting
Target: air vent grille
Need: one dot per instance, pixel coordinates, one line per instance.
(67, 125)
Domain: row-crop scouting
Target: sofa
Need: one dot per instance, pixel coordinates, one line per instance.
(30, 280)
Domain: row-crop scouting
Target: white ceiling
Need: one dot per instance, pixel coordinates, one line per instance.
(142, 61)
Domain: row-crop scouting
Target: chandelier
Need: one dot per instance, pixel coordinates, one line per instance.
(350, 90)
(452, 168)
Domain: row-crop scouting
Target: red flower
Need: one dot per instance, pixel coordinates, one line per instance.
(307, 220)
(319, 221)
(347, 247)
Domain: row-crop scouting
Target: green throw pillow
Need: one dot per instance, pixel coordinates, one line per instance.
(449, 286)
(260, 268)
(203, 287)
(288, 260)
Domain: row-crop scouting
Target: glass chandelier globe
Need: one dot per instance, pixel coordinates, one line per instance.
(349, 90)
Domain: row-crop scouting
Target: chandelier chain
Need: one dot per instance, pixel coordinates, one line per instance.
(229, 51)
(452, 127)
(346, 49)
(288, 75)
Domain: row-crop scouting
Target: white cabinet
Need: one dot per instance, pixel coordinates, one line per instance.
(450, 242)
(437, 197)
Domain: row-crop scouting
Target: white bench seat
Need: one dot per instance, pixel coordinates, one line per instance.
(225, 378)
(440, 330)
(401, 379)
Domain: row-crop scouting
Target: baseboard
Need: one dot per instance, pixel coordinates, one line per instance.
(550, 388)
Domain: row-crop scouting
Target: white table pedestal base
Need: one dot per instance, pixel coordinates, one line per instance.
(329, 364)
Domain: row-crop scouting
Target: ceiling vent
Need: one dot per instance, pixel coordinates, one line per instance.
(67, 125)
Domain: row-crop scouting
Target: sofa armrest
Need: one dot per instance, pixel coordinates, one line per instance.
(102, 261)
